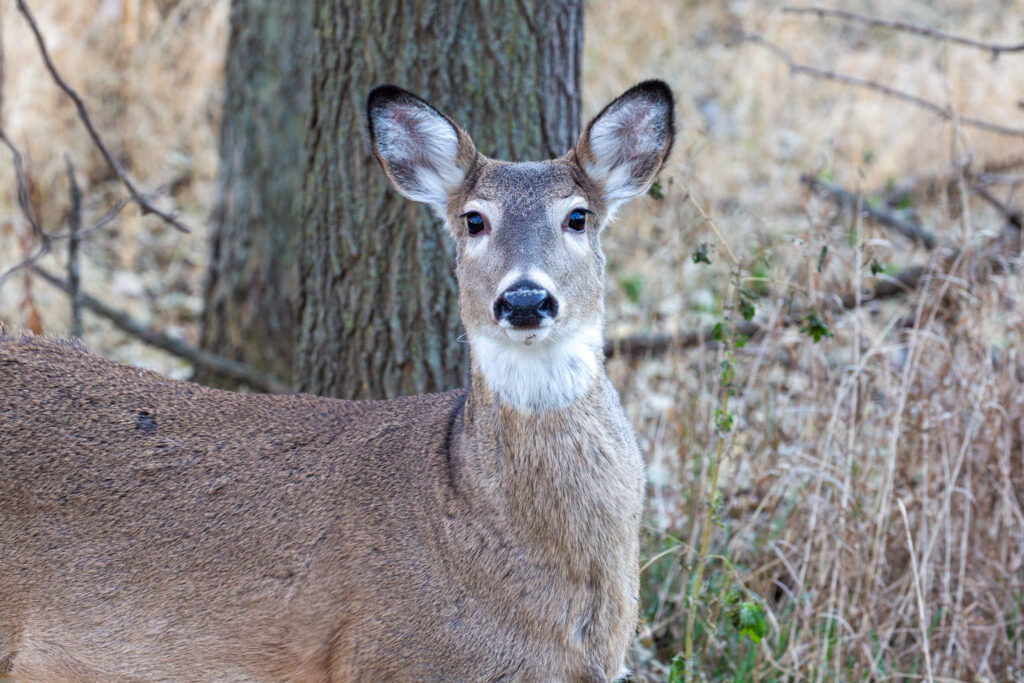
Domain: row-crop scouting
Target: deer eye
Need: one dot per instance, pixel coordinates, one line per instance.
(577, 220)
(475, 223)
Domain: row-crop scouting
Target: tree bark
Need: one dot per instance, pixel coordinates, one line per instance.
(378, 301)
(250, 312)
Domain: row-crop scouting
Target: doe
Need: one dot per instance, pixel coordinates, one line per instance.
(152, 529)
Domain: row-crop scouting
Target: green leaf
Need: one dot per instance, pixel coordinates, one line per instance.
(656, 191)
(877, 267)
(747, 309)
(700, 254)
(723, 421)
(815, 328)
(727, 371)
(719, 331)
(633, 287)
(821, 257)
(751, 621)
(677, 672)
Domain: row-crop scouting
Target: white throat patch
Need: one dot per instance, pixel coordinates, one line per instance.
(549, 374)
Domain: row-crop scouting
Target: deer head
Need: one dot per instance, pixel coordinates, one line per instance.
(528, 235)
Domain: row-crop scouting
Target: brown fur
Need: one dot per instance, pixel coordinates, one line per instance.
(159, 530)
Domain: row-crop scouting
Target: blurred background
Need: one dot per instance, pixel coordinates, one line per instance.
(829, 399)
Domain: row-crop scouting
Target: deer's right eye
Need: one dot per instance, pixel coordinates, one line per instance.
(475, 223)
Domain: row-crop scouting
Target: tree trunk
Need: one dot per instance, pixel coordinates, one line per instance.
(251, 293)
(379, 314)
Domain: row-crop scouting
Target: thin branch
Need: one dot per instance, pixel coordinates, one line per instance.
(138, 197)
(848, 199)
(995, 48)
(945, 113)
(25, 204)
(1014, 217)
(74, 224)
(218, 365)
(44, 248)
(24, 198)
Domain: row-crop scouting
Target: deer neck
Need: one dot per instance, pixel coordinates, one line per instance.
(566, 480)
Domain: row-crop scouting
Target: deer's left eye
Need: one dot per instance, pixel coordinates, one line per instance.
(576, 220)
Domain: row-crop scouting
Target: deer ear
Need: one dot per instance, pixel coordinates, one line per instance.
(423, 153)
(625, 146)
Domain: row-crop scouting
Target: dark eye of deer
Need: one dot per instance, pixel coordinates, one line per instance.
(475, 223)
(577, 220)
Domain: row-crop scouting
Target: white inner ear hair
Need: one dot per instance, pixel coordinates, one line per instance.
(551, 374)
(421, 147)
(623, 142)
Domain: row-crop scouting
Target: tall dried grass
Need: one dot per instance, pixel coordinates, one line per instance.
(872, 484)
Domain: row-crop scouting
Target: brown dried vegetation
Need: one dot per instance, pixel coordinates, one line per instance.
(872, 485)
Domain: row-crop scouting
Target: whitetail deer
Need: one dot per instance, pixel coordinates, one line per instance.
(158, 530)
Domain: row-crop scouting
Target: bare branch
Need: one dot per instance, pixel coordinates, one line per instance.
(139, 198)
(1014, 217)
(848, 199)
(945, 113)
(74, 224)
(27, 210)
(995, 48)
(209, 361)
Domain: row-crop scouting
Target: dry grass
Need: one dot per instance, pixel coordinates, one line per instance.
(872, 486)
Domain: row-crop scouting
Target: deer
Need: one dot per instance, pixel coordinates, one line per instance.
(154, 529)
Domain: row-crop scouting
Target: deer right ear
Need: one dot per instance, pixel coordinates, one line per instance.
(625, 146)
(423, 153)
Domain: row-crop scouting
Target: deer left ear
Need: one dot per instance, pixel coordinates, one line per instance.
(423, 153)
(625, 146)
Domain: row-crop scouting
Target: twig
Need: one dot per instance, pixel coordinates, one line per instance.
(27, 210)
(1014, 217)
(209, 361)
(888, 287)
(995, 48)
(922, 621)
(848, 199)
(139, 198)
(74, 224)
(44, 249)
(945, 113)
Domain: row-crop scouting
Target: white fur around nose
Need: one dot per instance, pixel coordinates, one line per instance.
(550, 374)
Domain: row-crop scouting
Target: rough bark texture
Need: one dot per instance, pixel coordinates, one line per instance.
(250, 312)
(378, 296)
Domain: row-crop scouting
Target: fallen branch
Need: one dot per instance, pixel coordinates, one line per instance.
(139, 198)
(218, 365)
(646, 344)
(945, 113)
(657, 343)
(995, 48)
(848, 200)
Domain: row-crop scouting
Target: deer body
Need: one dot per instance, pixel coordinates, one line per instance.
(152, 529)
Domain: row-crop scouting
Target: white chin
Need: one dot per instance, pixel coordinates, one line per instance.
(528, 337)
(529, 375)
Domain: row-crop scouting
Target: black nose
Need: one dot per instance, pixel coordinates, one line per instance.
(525, 304)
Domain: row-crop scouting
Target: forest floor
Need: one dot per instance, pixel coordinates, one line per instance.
(867, 521)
